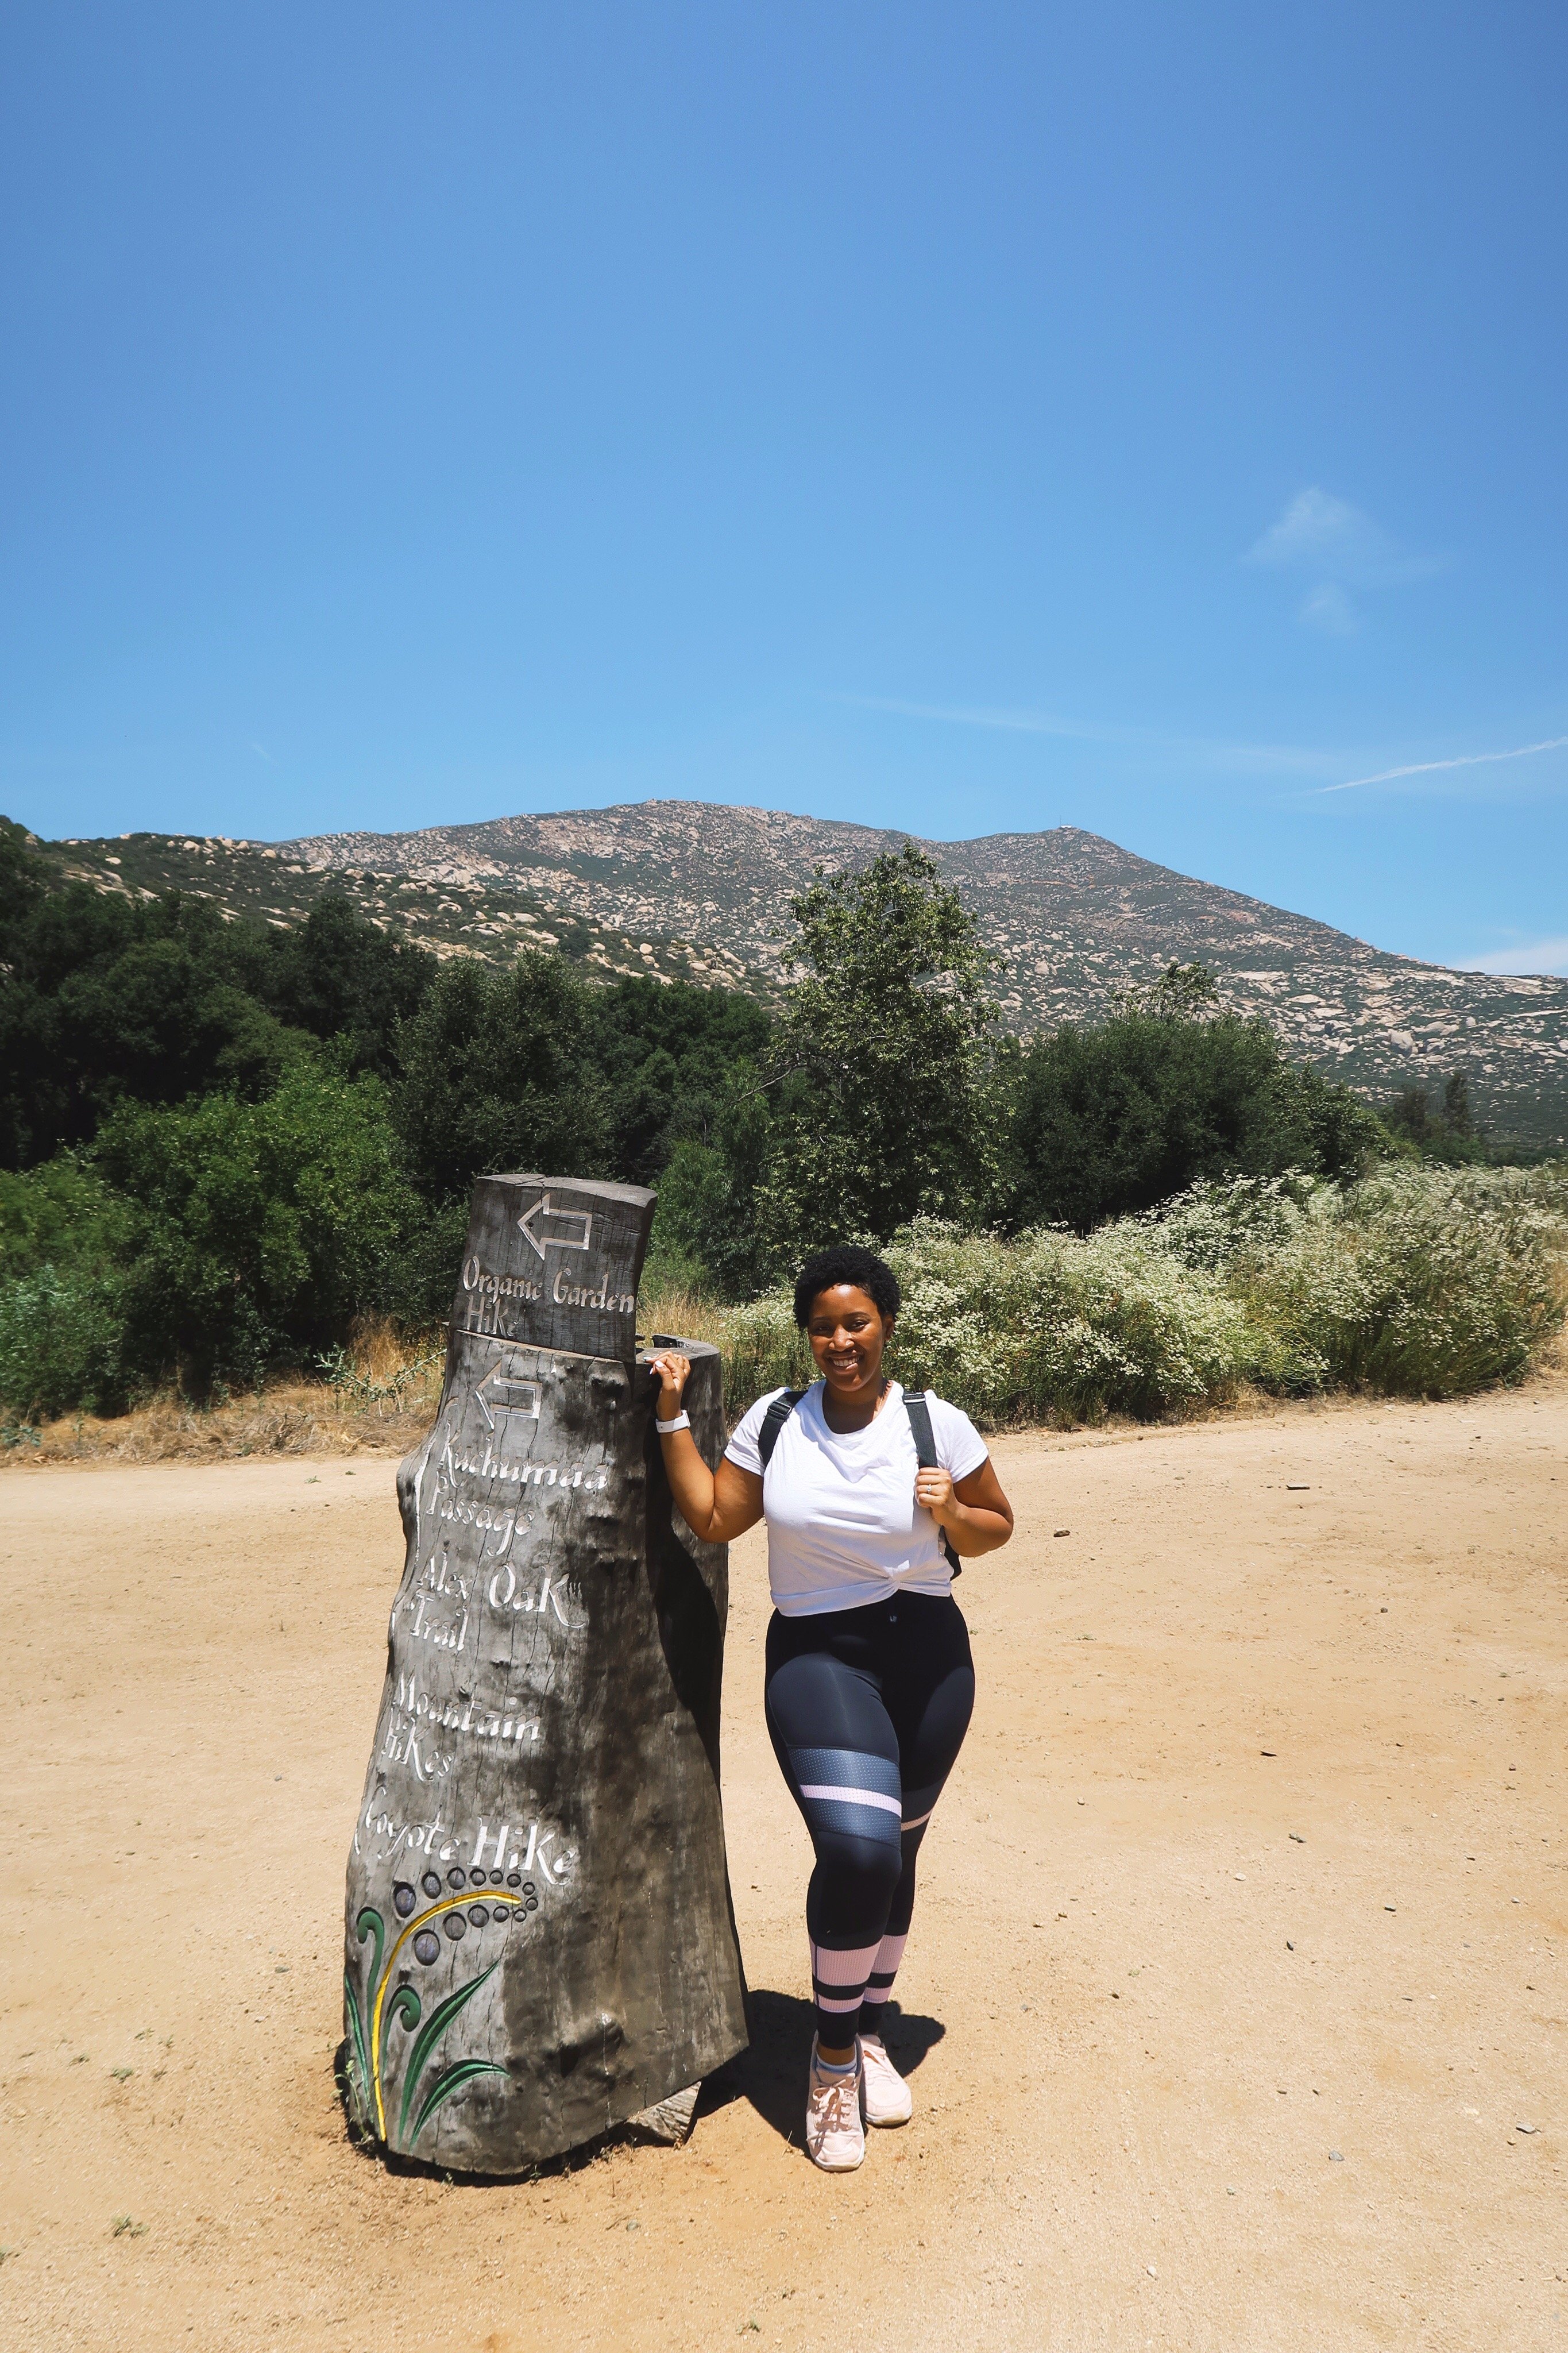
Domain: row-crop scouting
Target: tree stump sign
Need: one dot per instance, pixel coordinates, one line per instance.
(540, 1943)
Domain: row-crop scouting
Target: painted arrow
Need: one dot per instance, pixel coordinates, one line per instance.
(495, 1380)
(541, 1209)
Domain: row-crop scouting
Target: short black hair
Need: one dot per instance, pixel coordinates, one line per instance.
(825, 1269)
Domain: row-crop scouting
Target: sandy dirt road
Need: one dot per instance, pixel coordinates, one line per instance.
(1236, 1976)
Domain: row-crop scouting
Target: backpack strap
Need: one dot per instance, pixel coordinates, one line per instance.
(773, 1421)
(919, 1412)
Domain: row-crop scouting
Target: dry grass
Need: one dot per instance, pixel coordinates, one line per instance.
(380, 1398)
(685, 1315)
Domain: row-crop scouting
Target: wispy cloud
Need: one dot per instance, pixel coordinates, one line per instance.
(1258, 758)
(1317, 532)
(1432, 767)
(1014, 723)
(1330, 609)
(1340, 548)
(1531, 956)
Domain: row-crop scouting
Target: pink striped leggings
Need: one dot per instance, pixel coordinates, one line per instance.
(867, 1709)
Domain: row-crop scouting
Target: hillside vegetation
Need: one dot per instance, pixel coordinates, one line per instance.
(227, 1149)
(700, 892)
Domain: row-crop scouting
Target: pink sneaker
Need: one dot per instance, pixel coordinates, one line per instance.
(835, 2136)
(887, 2095)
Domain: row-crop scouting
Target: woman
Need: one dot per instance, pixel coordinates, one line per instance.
(869, 1680)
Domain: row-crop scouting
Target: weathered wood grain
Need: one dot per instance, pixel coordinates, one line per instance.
(540, 1943)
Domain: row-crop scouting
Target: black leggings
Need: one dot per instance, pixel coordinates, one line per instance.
(867, 1710)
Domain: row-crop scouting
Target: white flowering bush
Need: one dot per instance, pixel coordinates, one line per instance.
(763, 1350)
(1053, 1324)
(1417, 1282)
(1422, 1282)
(1226, 1228)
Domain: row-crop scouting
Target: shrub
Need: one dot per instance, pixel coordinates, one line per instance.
(255, 1231)
(1422, 1282)
(1049, 1325)
(61, 1345)
(61, 1214)
(1417, 1282)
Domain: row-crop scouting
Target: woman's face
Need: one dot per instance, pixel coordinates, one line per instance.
(848, 1332)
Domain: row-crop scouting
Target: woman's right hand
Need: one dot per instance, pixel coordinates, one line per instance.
(674, 1371)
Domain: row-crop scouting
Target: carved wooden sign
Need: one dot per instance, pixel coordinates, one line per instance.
(540, 1943)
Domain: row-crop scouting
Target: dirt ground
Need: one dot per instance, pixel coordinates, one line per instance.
(1235, 1979)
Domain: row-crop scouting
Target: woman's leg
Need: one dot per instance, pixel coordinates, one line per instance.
(928, 1689)
(839, 1753)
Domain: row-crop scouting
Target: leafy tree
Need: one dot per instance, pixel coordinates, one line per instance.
(1412, 1114)
(61, 1215)
(497, 1072)
(1184, 992)
(880, 1070)
(23, 878)
(337, 975)
(1113, 1119)
(1449, 1135)
(253, 1230)
(707, 1224)
(667, 1052)
(106, 1000)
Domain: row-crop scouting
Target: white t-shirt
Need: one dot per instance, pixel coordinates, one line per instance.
(843, 1527)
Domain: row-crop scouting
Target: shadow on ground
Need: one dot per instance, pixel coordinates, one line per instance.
(771, 2073)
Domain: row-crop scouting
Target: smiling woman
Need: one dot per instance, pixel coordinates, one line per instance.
(871, 1497)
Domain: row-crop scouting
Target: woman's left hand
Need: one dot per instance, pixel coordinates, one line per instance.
(934, 1493)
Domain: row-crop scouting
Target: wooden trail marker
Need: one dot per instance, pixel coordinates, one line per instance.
(540, 1940)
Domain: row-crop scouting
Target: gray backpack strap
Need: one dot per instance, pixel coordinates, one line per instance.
(925, 1455)
(773, 1421)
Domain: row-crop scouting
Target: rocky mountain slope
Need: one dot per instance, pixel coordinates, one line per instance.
(683, 887)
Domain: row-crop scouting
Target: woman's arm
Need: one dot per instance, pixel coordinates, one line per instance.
(715, 1505)
(973, 1512)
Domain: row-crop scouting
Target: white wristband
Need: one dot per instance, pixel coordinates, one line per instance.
(668, 1429)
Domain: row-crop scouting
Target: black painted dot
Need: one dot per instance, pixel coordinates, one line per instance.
(495, 1879)
(478, 1915)
(514, 1879)
(533, 1903)
(426, 1946)
(500, 1912)
(403, 1899)
(457, 1876)
(528, 1888)
(431, 1882)
(456, 1925)
(477, 1877)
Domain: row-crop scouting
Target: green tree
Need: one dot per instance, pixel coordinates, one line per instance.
(61, 1215)
(667, 1052)
(105, 999)
(497, 1072)
(1113, 1119)
(337, 975)
(708, 1226)
(254, 1232)
(1451, 1134)
(880, 1074)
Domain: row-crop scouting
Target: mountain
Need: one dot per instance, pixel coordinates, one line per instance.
(684, 888)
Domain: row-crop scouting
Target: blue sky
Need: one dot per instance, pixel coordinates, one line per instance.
(977, 418)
